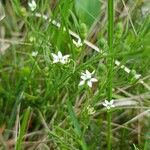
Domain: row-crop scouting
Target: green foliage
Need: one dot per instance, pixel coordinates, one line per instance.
(34, 82)
(22, 129)
(87, 10)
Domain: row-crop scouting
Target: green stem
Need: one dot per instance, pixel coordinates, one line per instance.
(110, 23)
(110, 66)
(109, 137)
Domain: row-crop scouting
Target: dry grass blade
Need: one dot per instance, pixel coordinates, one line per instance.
(138, 117)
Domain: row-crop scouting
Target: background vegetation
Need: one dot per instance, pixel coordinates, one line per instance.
(42, 105)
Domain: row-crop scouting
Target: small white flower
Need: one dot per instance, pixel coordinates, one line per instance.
(32, 5)
(87, 78)
(91, 110)
(108, 104)
(34, 53)
(78, 43)
(137, 76)
(59, 58)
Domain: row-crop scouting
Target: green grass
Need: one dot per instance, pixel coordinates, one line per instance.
(42, 105)
(22, 129)
(110, 63)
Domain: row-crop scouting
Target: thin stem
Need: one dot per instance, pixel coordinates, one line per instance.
(109, 137)
(110, 67)
(110, 44)
(110, 23)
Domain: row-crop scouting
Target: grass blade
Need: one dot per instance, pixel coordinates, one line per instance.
(76, 125)
(110, 66)
(23, 129)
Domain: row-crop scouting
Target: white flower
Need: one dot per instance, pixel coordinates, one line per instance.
(87, 78)
(78, 43)
(32, 5)
(137, 76)
(59, 58)
(91, 110)
(108, 104)
(34, 53)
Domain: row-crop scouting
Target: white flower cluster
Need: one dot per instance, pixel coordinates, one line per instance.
(86, 78)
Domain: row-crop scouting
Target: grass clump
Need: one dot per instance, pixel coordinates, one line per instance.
(73, 75)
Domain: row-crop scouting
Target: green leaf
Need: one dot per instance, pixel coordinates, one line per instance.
(23, 129)
(88, 10)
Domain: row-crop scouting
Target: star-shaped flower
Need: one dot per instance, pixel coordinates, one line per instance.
(32, 5)
(59, 58)
(108, 104)
(87, 78)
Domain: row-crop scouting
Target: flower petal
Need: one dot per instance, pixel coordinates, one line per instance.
(33, 3)
(112, 105)
(66, 56)
(94, 80)
(60, 55)
(88, 73)
(111, 102)
(29, 4)
(55, 61)
(54, 56)
(83, 74)
(89, 83)
(81, 83)
(93, 72)
(63, 61)
(83, 77)
(106, 102)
